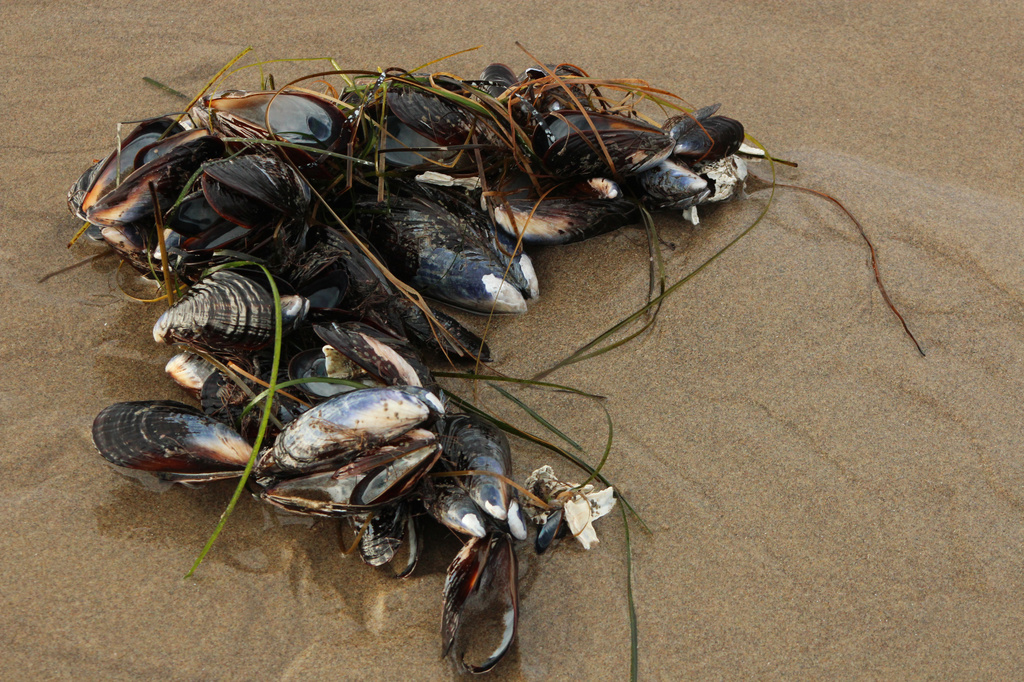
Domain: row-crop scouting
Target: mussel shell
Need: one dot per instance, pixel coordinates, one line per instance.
(327, 291)
(420, 331)
(131, 242)
(335, 431)
(672, 184)
(384, 534)
(497, 78)
(443, 247)
(173, 440)
(436, 118)
(410, 462)
(158, 148)
(224, 311)
(312, 364)
(568, 144)
(189, 371)
(318, 494)
(223, 400)
(449, 503)
(481, 601)
(255, 190)
(300, 118)
(194, 215)
(562, 219)
(225, 233)
(679, 125)
(552, 529)
(132, 200)
(473, 443)
(405, 147)
(715, 138)
(102, 177)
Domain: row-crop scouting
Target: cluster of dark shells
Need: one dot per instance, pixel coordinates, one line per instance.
(347, 205)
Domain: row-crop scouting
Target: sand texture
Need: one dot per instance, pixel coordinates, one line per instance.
(824, 502)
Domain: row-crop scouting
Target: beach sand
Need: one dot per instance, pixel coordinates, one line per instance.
(824, 502)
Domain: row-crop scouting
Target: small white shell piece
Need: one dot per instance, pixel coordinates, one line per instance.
(728, 174)
(445, 180)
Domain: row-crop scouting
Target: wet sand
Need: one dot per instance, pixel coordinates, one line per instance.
(824, 502)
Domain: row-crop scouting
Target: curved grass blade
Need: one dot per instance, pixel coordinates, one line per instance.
(447, 56)
(166, 88)
(263, 423)
(526, 382)
(874, 257)
(537, 417)
(607, 450)
(634, 651)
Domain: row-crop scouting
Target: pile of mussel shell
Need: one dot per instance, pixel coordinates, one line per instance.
(350, 201)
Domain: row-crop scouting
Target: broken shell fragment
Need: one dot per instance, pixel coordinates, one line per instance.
(580, 507)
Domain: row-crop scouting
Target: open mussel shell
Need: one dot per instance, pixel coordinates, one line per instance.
(383, 356)
(568, 144)
(312, 364)
(332, 433)
(319, 494)
(222, 235)
(481, 603)
(298, 118)
(372, 477)
(170, 439)
(103, 176)
(410, 460)
(327, 290)
(158, 148)
(226, 311)
(132, 200)
(404, 147)
(201, 229)
(193, 216)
